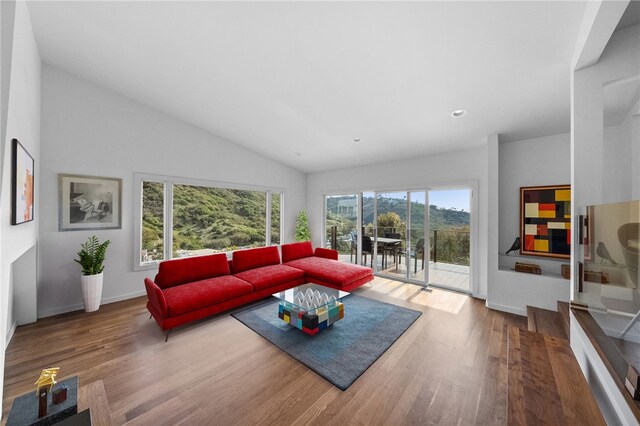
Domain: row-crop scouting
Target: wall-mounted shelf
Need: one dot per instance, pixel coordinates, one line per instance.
(550, 267)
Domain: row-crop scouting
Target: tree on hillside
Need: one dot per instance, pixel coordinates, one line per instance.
(302, 227)
(390, 222)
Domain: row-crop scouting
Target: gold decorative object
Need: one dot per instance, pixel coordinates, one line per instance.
(47, 378)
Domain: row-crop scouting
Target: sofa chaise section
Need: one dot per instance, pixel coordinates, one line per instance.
(321, 266)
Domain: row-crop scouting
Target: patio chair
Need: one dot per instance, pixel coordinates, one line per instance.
(354, 246)
(395, 249)
(367, 248)
(418, 254)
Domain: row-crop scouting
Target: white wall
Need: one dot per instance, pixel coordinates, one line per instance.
(414, 173)
(635, 152)
(23, 123)
(532, 162)
(616, 163)
(621, 151)
(619, 60)
(89, 130)
(540, 161)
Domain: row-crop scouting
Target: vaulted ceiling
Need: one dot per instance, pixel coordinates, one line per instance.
(298, 81)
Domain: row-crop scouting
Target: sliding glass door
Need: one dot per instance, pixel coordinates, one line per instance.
(400, 235)
(432, 231)
(450, 238)
(418, 236)
(390, 236)
(341, 226)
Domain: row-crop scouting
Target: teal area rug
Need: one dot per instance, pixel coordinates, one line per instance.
(342, 352)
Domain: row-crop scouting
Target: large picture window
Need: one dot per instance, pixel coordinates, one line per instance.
(152, 249)
(181, 218)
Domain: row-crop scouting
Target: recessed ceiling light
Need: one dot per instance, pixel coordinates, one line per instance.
(356, 140)
(458, 113)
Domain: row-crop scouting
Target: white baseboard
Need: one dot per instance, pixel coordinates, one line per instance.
(79, 306)
(59, 310)
(509, 309)
(12, 330)
(123, 297)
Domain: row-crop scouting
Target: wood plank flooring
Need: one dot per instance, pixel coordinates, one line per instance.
(449, 367)
(94, 397)
(563, 310)
(546, 385)
(546, 322)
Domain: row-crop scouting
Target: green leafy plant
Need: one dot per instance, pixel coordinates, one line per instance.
(302, 227)
(91, 257)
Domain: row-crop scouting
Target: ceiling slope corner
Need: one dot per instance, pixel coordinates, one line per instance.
(598, 24)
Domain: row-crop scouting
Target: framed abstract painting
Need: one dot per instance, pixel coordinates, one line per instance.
(22, 185)
(545, 221)
(89, 202)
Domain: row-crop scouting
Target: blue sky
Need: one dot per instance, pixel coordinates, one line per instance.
(456, 198)
(448, 198)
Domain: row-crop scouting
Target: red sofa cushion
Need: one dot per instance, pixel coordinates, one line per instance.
(295, 251)
(186, 270)
(244, 260)
(331, 271)
(270, 276)
(326, 253)
(193, 296)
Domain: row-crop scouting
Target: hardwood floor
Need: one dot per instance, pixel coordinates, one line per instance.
(546, 322)
(546, 385)
(450, 367)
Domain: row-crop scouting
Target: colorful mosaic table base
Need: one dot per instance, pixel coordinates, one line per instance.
(310, 324)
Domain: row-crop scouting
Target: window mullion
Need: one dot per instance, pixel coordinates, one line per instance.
(267, 242)
(168, 220)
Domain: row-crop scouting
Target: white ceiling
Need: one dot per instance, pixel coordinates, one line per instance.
(306, 77)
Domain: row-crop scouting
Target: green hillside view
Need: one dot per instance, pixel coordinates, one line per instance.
(439, 218)
(452, 238)
(207, 219)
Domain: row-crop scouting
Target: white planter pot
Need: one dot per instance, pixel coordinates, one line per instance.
(92, 291)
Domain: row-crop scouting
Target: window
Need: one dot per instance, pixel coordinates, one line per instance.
(182, 217)
(275, 217)
(152, 222)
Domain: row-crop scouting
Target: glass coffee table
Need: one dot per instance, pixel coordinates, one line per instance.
(311, 307)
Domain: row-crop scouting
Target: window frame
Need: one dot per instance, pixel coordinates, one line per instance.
(169, 183)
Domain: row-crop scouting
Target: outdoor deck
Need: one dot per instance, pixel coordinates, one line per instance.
(442, 274)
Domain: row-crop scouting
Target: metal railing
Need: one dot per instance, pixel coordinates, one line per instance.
(445, 245)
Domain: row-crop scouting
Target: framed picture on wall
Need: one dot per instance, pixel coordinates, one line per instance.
(545, 221)
(89, 202)
(22, 184)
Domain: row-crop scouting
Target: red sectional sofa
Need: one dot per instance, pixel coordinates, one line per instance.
(189, 289)
(320, 267)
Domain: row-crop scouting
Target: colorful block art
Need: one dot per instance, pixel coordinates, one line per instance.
(545, 221)
(321, 318)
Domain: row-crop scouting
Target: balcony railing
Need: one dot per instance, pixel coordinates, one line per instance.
(445, 245)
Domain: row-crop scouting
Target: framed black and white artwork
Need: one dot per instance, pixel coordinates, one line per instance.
(89, 202)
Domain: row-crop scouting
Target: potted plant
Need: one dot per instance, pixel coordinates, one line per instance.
(302, 227)
(91, 258)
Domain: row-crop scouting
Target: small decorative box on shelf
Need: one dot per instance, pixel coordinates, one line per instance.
(529, 268)
(24, 410)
